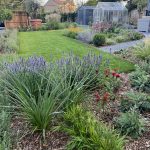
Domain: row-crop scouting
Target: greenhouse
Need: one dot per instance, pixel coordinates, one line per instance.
(85, 15)
(110, 12)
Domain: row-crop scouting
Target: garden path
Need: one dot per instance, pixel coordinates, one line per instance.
(122, 46)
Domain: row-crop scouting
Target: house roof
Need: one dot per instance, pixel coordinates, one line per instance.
(49, 2)
(111, 6)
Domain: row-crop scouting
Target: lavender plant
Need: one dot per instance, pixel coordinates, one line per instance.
(40, 89)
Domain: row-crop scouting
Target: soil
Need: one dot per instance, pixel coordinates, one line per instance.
(25, 139)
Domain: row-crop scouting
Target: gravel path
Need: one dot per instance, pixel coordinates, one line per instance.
(120, 46)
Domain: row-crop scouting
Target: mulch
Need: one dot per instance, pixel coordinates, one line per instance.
(25, 139)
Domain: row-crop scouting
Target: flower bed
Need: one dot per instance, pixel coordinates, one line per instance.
(71, 103)
(112, 35)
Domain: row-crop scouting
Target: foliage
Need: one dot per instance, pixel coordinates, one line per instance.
(52, 25)
(9, 41)
(86, 36)
(130, 123)
(142, 50)
(88, 133)
(71, 34)
(53, 17)
(136, 4)
(135, 99)
(71, 17)
(5, 117)
(5, 14)
(140, 80)
(145, 64)
(99, 40)
(39, 89)
(32, 7)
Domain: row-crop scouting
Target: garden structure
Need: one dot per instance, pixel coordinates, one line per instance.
(85, 15)
(110, 12)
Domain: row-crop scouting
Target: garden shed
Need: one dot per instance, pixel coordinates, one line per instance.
(85, 15)
(110, 12)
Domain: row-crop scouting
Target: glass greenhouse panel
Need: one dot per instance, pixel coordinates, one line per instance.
(110, 12)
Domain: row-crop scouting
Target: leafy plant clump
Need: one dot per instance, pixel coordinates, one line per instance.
(41, 89)
(88, 133)
(71, 34)
(9, 41)
(130, 123)
(99, 40)
(140, 80)
(135, 99)
(5, 117)
(142, 50)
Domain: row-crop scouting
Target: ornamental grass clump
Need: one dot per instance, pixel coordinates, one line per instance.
(5, 118)
(88, 133)
(39, 89)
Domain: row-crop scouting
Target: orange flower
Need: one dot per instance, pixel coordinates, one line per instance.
(106, 97)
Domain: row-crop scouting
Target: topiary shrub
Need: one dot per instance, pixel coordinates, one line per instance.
(99, 40)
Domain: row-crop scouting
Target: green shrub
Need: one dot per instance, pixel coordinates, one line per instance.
(99, 40)
(130, 123)
(52, 25)
(110, 42)
(140, 80)
(121, 39)
(88, 133)
(135, 35)
(142, 50)
(9, 41)
(135, 99)
(71, 34)
(145, 64)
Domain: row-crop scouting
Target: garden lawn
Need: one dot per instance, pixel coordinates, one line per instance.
(53, 45)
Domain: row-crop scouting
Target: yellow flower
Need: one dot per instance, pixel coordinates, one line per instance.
(75, 29)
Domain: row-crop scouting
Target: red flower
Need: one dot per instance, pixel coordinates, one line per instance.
(97, 96)
(113, 74)
(106, 97)
(107, 72)
(117, 75)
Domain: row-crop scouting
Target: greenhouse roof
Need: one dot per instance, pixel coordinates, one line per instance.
(111, 6)
(87, 7)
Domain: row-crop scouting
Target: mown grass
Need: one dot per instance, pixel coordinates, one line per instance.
(52, 45)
